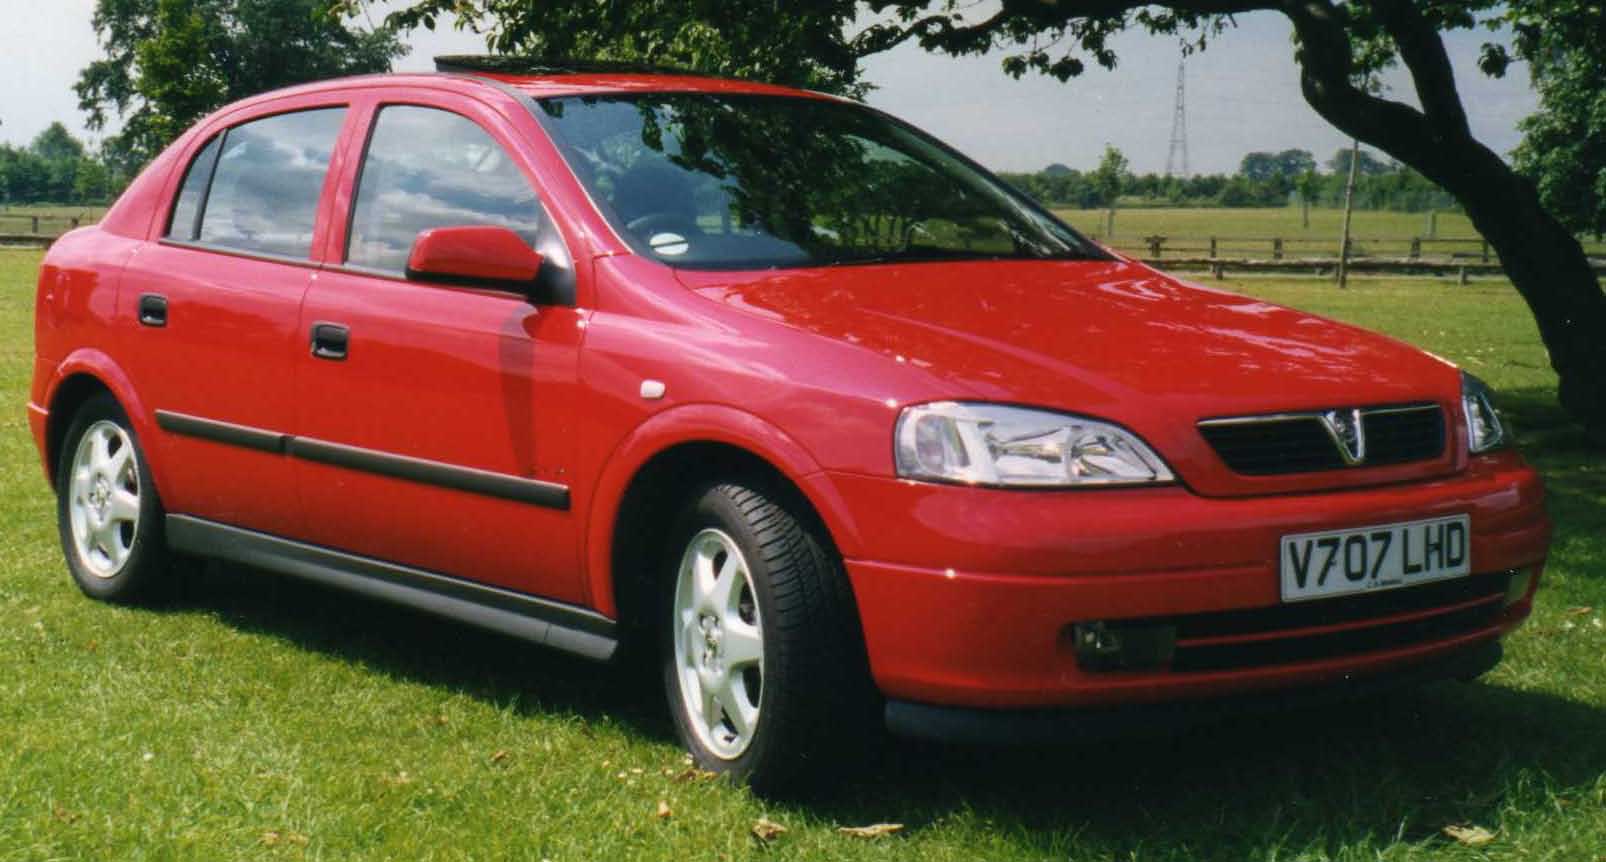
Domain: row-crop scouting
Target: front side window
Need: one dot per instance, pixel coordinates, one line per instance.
(428, 168)
(266, 185)
(735, 181)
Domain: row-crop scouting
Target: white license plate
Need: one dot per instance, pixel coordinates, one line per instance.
(1341, 562)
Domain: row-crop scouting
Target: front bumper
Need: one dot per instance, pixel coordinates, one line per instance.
(968, 596)
(975, 726)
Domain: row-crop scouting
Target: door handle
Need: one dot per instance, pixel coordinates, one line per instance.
(153, 309)
(329, 340)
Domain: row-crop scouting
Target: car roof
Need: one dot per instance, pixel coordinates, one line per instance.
(534, 85)
(543, 78)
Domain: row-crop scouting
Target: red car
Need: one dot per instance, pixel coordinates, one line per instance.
(836, 423)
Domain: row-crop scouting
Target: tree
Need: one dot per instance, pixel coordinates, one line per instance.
(1563, 149)
(56, 144)
(1287, 164)
(1338, 45)
(1366, 164)
(167, 63)
(1258, 166)
(1309, 185)
(1107, 180)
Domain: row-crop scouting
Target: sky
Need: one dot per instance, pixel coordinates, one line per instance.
(1242, 94)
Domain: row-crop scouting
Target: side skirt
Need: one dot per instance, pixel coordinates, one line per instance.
(554, 624)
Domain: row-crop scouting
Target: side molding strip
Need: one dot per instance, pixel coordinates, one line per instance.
(221, 432)
(433, 473)
(474, 481)
(554, 624)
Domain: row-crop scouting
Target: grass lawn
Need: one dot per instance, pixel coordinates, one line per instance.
(259, 718)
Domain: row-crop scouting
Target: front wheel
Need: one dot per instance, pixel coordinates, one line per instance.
(762, 658)
(107, 512)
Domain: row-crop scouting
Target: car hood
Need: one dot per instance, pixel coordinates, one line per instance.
(1104, 338)
(1107, 339)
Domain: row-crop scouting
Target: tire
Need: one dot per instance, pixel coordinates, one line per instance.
(759, 619)
(107, 511)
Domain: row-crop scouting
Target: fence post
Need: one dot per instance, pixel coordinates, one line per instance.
(74, 222)
(1485, 251)
(1461, 277)
(1219, 270)
(35, 225)
(1154, 245)
(1416, 247)
(1277, 248)
(1212, 246)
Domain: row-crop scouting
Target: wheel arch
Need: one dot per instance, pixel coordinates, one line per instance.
(653, 470)
(79, 377)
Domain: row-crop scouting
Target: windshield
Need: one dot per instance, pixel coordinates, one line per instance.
(738, 181)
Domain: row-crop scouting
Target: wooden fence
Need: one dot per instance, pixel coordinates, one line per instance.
(38, 230)
(1278, 248)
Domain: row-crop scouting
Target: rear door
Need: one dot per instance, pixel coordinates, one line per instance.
(214, 308)
(440, 433)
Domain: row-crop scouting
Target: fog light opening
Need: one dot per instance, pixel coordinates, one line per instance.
(1517, 587)
(1123, 646)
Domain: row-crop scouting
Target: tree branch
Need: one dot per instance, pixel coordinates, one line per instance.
(1423, 51)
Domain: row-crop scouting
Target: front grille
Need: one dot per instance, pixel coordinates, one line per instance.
(1302, 442)
(1330, 628)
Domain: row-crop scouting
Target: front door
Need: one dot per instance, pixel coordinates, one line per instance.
(436, 425)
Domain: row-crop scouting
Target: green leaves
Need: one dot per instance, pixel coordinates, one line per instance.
(1564, 143)
(169, 62)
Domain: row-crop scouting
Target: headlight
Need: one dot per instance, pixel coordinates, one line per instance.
(1485, 429)
(991, 444)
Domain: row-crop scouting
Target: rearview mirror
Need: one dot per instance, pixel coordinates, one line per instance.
(482, 255)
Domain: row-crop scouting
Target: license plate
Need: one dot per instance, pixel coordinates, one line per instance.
(1357, 560)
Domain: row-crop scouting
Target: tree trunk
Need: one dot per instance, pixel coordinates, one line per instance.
(1548, 267)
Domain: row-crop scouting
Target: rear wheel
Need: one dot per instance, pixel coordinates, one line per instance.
(107, 512)
(762, 658)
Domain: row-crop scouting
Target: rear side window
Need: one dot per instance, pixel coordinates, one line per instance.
(186, 220)
(429, 168)
(265, 181)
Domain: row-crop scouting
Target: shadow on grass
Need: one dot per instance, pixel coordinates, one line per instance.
(1370, 772)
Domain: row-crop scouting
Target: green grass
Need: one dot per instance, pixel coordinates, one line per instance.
(258, 718)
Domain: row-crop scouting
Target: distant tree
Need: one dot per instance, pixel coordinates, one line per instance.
(56, 144)
(1292, 163)
(1563, 147)
(1108, 179)
(1259, 166)
(1110, 176)
(1309, 185)
(169, 62)
(93, 182)
(1057, 170)
(1367, 165)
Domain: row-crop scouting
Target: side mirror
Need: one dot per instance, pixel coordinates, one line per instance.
(481, 255)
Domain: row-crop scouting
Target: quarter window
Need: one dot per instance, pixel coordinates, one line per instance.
(264, 189)
(186, 220)
(429, 168)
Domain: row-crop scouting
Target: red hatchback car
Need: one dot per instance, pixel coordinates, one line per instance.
(835, 422)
